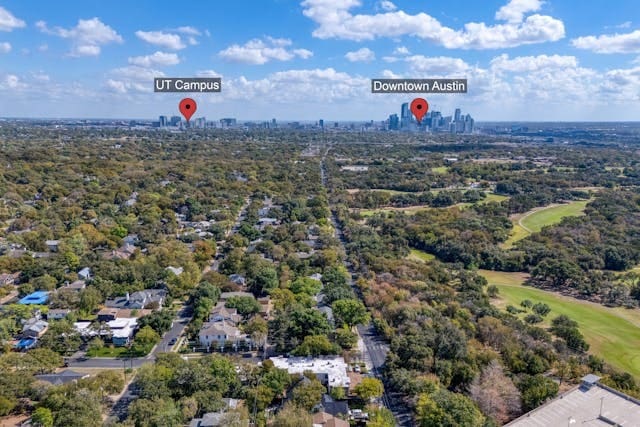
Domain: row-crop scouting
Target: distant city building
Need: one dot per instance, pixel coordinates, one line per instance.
(433, 121)
(321, 123)
(163, 121)
(175, 120)
(228, 122)
(394, 122)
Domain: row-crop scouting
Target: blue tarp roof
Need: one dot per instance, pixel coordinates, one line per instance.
(25, 343)
(38, 297)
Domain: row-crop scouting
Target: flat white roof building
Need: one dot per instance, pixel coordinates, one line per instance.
(330, 370)
(591, 404)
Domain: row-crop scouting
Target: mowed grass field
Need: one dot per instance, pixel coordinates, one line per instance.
(418, 255)
(612, 333)
(536, 219)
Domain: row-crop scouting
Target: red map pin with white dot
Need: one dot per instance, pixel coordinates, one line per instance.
(188, 107)
(419, 108)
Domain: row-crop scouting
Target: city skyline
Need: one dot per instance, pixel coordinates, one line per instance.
(525, 60)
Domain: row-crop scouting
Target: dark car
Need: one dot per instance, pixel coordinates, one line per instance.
(173, 341)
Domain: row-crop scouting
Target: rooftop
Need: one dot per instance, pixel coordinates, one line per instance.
(334, 367)
(581, 406)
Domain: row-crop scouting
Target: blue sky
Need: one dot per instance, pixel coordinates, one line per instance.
(311, 59)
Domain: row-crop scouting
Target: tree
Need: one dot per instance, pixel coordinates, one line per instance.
(536, 390)
(61, 337)
(315, 345)
(308, 393)
(541, 309)
(495, 393)
(369, 389)
(246, 305)
(155, 413)
(6, 405)
(446, 409)
(567, 329)
(350, 311)
(305, 285)
(147, 336)
(79, 408)
(264, 281)
(346, 338)
(110, 381)
(379, 416)
(257, 328)
(160, 321)
(90, 299)
(42, 417)
(292, 416)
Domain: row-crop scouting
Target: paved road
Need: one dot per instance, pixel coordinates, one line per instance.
(376, 348)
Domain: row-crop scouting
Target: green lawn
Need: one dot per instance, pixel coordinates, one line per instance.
(109, 351)
(612, 333)
(440, 170)
(536, 219)
(422, 256)
(412, 210)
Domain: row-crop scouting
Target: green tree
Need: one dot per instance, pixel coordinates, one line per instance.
(316, 345)
(42, 417)
(369, 388)
(155, 413)
(90, 299)
(536, 390)
(147, 336)
(308, 394)
(305, 285)
(246, 305)
(446, 409)
(292, 416)
(379, 416)
(350, 311)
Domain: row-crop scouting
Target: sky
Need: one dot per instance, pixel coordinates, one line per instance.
(525, 60)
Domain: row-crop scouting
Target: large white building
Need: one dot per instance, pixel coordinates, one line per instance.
(330, 370)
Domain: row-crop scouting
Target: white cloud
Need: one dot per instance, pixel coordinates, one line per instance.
(617, 43)
(192, 41)
(388, 74)
(43, 47)
(40, 76)
(437, 65)
(12, 81)
(192, 31)
(515, 10)
(87, 36)
(208, 73)
(335, 20)
(156, 59)
(361, 55)
(132, 78)
(8, 22)
(387, 5)
(5, 47)
(295, 86)
(532, 63)
(259, 51)
(401, 50)
(160, 38)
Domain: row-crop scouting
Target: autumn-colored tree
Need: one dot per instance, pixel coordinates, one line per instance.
(496, 394)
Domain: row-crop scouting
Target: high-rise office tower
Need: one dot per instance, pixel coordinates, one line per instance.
(394, 122)
(163, 121)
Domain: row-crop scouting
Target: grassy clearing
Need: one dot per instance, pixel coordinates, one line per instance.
(536, 219)
(612, 333)
(440, 170)
(412, 210)
(418, 255)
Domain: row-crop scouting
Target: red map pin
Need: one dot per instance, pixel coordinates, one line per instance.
(419, 108)
(188, 107)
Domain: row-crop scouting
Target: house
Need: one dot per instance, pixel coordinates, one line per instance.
(34, 328)
(220, 313)
(84, 274)
(175, 270)
(75, 286)
(126, 251)
(221, 334)
(590, 403)
(36, 298)
(140, 299)
(57, 313)
(85, 330)
(323, 419)
(215, 419)
(9, 279)
(107, 314)
(53, 245)
(238, 279)
(329, 405)
(64, 377)
(265, 307)
(122, 330)
(330, 370)
(26, 344)
(131, 239)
